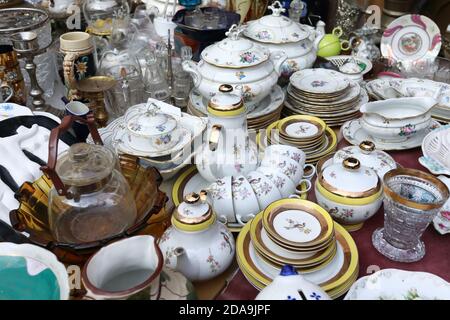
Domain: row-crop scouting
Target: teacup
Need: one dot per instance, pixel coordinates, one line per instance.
(290, 168)
(265, 190)
(79, 109)
(221, 195)
(245, 201)
(287, 151)
(279, 179)
(125, 269)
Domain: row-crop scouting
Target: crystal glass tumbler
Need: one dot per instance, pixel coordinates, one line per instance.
(412, 200)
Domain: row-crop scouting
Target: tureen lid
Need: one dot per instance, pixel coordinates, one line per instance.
(194, 213)
(276, 28)
(226, 101)
(152, 122)
(350, 179)
(366, 153)
(235, 51)
(84, 164)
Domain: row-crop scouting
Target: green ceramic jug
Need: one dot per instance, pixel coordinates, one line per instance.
(331, 45)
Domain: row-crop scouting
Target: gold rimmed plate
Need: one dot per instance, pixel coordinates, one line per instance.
(302, 128)
(297, 223)
(337, 274)
(280, 256)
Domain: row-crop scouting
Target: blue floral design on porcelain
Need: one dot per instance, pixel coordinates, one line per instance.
(263, 35)
(315, 296)
(7, 106)
(318, 83)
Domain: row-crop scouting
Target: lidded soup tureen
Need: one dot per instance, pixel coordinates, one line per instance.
(366, 153)
(237, 61)
(350, 192)
(197, 244)
(228, 150)
(153, 130)
(277, 32)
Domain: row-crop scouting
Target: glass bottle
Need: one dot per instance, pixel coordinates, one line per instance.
(154, 80)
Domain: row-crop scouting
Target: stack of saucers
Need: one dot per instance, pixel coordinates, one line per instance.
(302, 234)
(308, 133)
(326, 94)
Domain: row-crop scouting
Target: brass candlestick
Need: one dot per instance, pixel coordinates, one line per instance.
(93, 89)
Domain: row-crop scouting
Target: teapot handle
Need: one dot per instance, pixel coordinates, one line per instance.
(214, 136)
(65, 125)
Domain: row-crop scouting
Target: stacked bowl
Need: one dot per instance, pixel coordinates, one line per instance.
(326, 94)
(308, 133)
(300, 233)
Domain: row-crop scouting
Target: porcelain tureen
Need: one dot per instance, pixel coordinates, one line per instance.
(350, 192)
(197, 244)
(238, 62)
(277, 32)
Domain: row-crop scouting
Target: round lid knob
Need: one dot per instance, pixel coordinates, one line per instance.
(194, 213)
(367, 146)
(84, 164)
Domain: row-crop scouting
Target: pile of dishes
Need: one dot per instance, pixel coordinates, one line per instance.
(158, 133)
(381, 89)
(300, 233)
(308, 133)
(326, 94)
(265, 111)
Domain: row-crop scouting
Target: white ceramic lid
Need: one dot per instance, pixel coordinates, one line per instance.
(152, 123)
(276, 28)
(235, 51)
(194, 209)
(226, 99)
(350, 178)
(366, 153)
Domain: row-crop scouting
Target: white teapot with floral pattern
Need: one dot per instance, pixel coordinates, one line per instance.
(197, 244)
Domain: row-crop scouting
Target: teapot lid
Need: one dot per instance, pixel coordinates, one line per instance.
(194, 213)
(152, 122)
(276, 28)
(226, 102)
(350, 179)
(235, 51)
(85, 164)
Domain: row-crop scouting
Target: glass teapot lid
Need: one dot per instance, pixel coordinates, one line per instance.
(85, 164)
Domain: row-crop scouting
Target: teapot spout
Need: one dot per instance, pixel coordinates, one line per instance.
(320, 32)
(191, 67)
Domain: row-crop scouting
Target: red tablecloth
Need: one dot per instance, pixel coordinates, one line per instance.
(436, 260)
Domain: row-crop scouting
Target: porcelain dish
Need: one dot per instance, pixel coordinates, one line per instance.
(278, 32)
(435, 149)
(442, 221)
(354, 133)
(394, 284)
(350, 192)
(411, 37)
(239, 62)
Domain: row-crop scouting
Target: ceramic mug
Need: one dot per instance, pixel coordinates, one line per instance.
(265, 190)
(281, 181)
(221, 194)
(79, 57)
(125, 269)
(79, 109)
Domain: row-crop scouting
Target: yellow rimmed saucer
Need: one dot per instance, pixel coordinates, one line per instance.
(346, 260)
(309, 260)
(313, 124)
(297, 223)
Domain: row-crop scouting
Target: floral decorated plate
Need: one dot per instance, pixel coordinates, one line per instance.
(411, 38)
(394, 284)
(354, 133)
(442, 221)
(8, 110)
(319, 81)
(427, 88)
